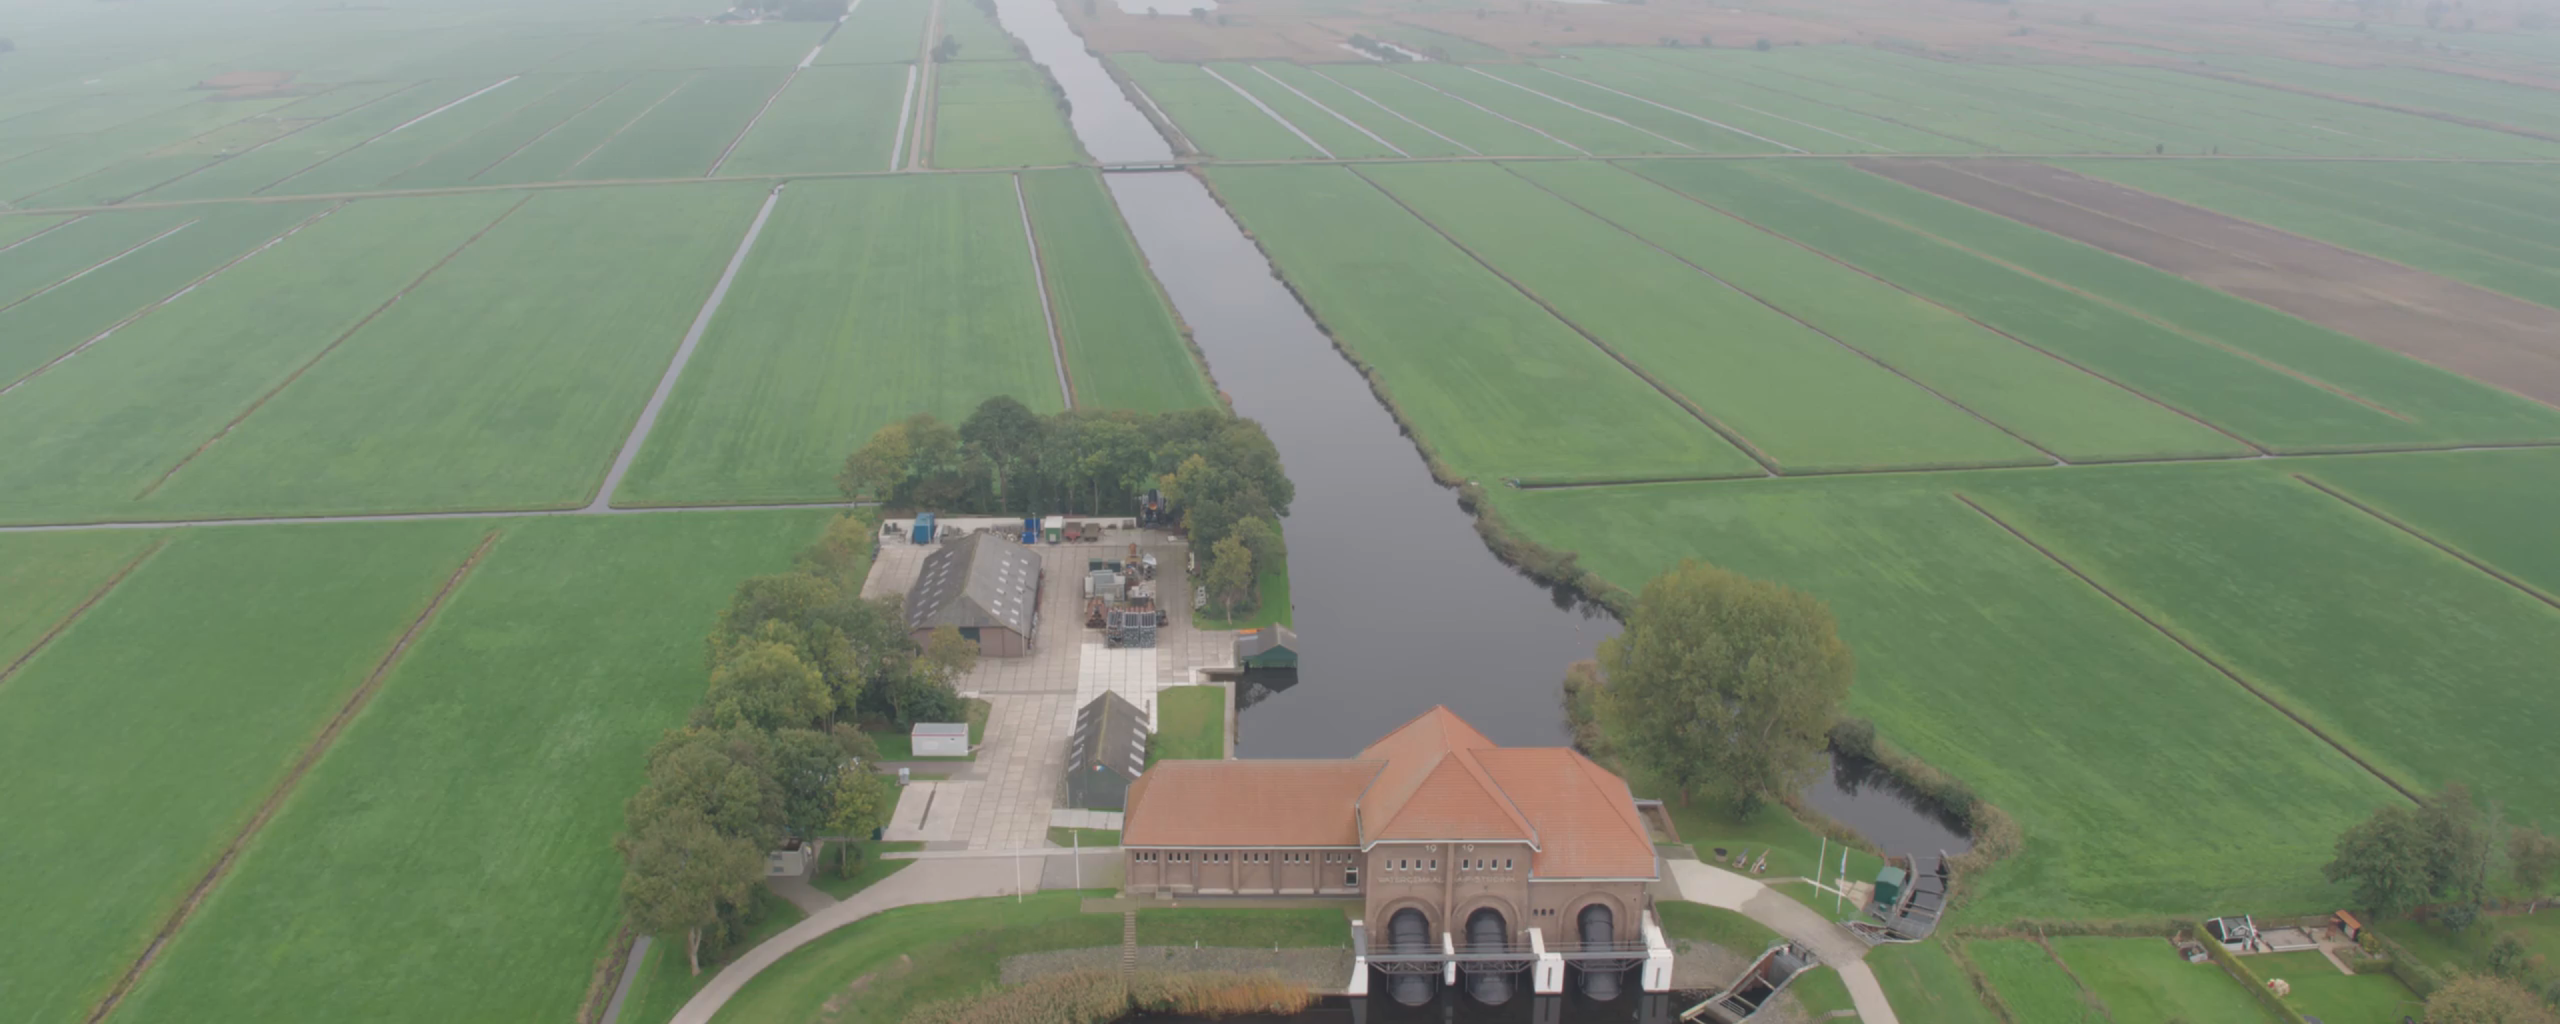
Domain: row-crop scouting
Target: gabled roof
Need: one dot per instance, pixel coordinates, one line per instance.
(976, 582)
(1246, 803)
(1110, 733)
(1432, 787)
(1586, 817)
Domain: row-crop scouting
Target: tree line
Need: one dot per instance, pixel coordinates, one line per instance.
(796, 664)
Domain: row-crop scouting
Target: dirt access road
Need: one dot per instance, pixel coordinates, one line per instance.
(2496, 339)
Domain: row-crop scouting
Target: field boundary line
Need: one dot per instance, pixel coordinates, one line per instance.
(155, 307)
(1380, 104)
(927, 71)
(1712, 77)
(1799, 321)
(1540, 132)
(648, 419)
(467, 137)
(2446, 116)
(319, 746)
(787, 79)
(2099, 464)
(1337, 115)
(1040, 279)
(377, 137)
(1701, 118)
(98, 266)
(414, 517)
(219, 161)
(1266, 110)
(906, 106)
(1967, 317)
(64, 625)
(1819, 84)
(652, 108)
(483, 91)
(1730, 435)
(67, 222)
(1623, 122)
(555, 127)
(332, 346)
(2190, 648)
(2529, 590)
(2306, 377)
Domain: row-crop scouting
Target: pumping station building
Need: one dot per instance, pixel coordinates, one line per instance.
(1468, 857)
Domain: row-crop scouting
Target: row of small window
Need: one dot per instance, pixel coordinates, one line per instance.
(1433, 864)
(1484, 864)
(1151, 857)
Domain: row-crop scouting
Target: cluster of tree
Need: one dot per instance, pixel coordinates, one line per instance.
(1720, 683)
(2486, 999)
(1214, 469)
(773, 751)
(2444, 850)
(945, 50)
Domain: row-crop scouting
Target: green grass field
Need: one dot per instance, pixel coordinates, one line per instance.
(2076, 415)
(456, 162)
(1575, 128)
(562, 151)
(158, 724)
(1191, 724)
(1698, 922)
(2032, 985)
(44, 577)
(48, 260)
(880, 32)
(998, 114)
(2425, 667)
(1478, 132)
(913, 955)
(2493, 506)
(864, 302)
(1271, 603)
(2321, 990)
(2144, 979)
(475, 392)
(1297, 928)
(828, 119)
(1346, 141)
(1124, 348)
(1807, 402)
(477, 799)
(1530, 398)
(2190, 373)
(45, 328)
(91, 434)
(1395, 128)
(1217, 120)
(1925, 985)
(684, 134)
(2144, 782)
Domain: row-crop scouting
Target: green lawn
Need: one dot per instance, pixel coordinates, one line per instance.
(2146, 980)
(828, 119)
(476, 800)
(1297, 928)
(1822, 992)
(1925, 985)
(1707, 824)
(40, 330)
(1124, 349)
(1217, 120)
(1805, 401)
(2321, 990)
(665, 981)
(1495, 386)
(2244, 397)
(998, 114)
(1716, 926)
(2034, 986)
(868, 867)
(2074, 414)
(95, 431)
(909, 956)
(181, 701)
(2427, 668)
(1271, 587)
(1072, 837)
(865, 302)
(1191, 724)
(2144, 782)
(478, 390)
(45, 576)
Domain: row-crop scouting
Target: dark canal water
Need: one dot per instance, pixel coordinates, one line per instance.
(1399, 605)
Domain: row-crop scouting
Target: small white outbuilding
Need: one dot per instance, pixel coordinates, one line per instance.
(939, 739)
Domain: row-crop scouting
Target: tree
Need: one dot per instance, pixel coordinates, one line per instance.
(806, 764)
(2533, 858)
(1230, 576)
(915, 460)
(767, 686)
(679, 871)
(2485, 999)
(1724, 681)
(863, 801)
(842, 555)
(722, 777)
(2391, 857)
(947, 656)
(1007, 432)
(945, 50)
(1263, 539)
(908, 696)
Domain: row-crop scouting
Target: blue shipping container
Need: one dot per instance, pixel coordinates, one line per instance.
(924, 528)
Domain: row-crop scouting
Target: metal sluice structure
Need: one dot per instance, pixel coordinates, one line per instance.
(1490, 963)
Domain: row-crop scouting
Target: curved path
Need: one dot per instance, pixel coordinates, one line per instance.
(928, 881)
(1716, 887)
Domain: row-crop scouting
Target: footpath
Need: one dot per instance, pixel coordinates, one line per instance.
(931, 881)
(1700, 882)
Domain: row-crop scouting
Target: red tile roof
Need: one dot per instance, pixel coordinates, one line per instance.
(1586, 818)
(1246, 803)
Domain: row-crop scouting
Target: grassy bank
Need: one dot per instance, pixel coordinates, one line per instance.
(1191, 724)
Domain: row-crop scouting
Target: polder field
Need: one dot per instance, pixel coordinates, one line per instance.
(261, 764)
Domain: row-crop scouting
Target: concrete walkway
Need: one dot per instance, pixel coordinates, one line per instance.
(809, 898)
(934, 881)
(1716, 887)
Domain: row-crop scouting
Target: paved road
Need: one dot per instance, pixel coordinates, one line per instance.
(1700, 882)
(933, 881)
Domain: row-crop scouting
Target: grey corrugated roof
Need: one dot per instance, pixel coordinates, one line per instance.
(1110, 733)
(978, 581)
